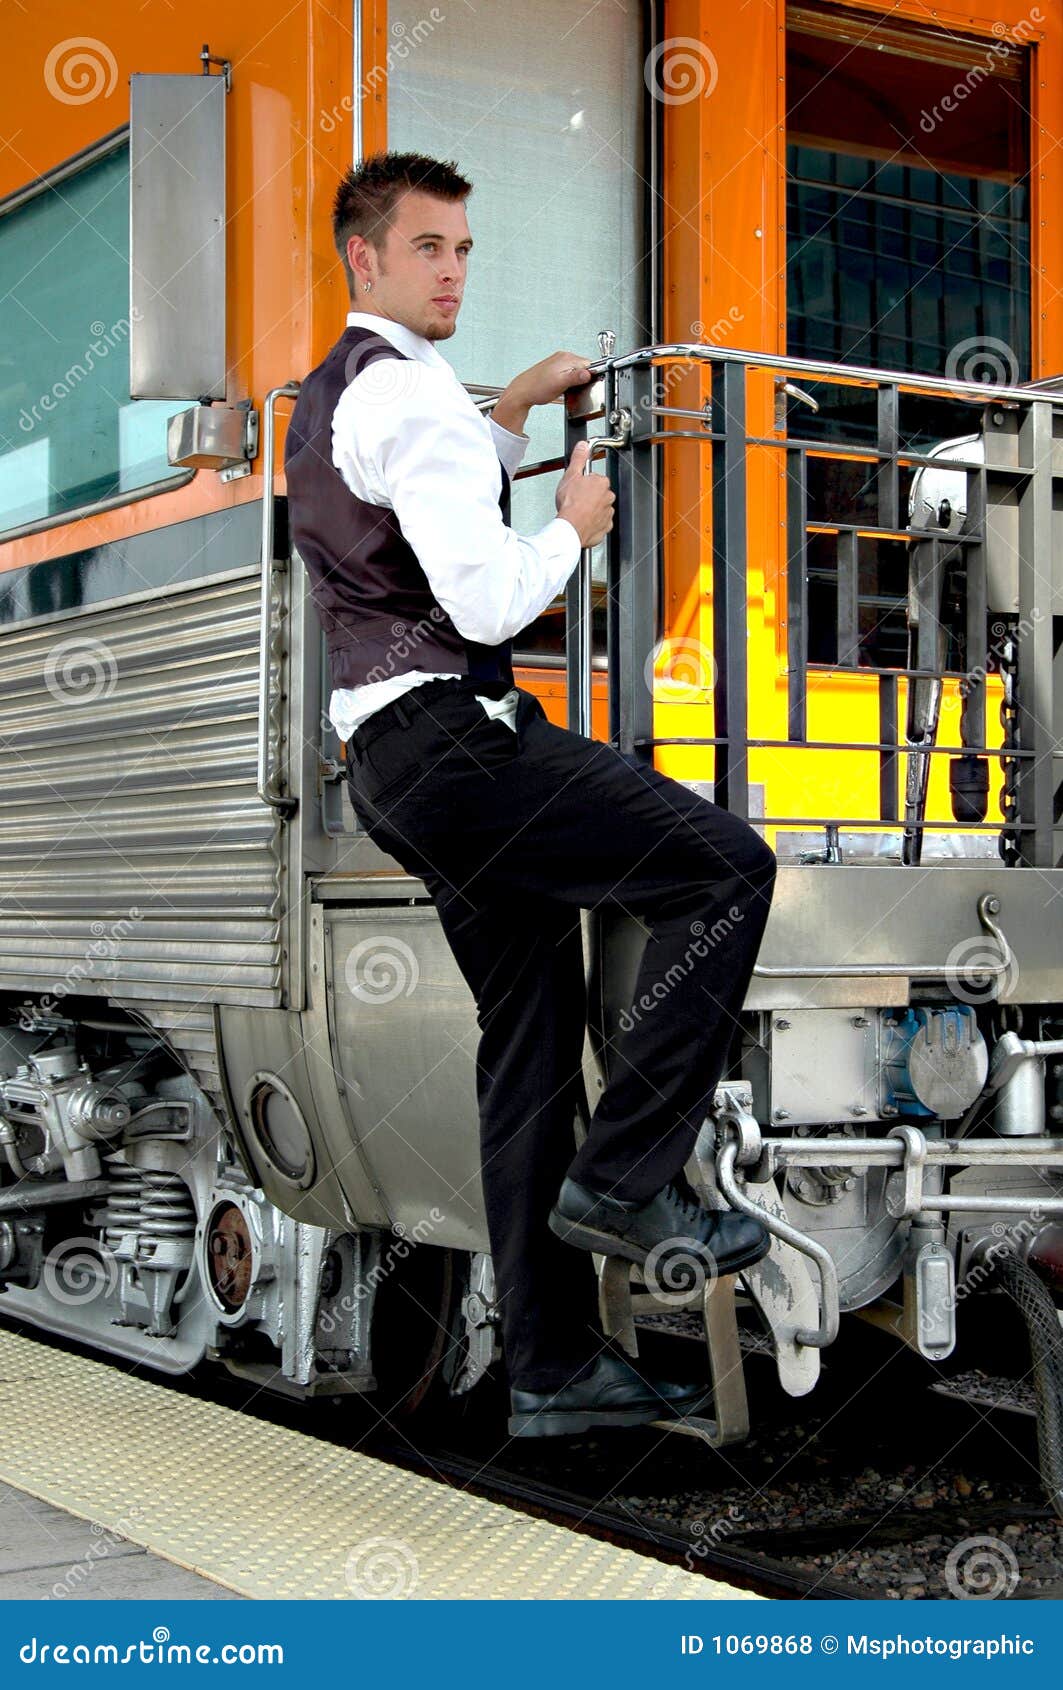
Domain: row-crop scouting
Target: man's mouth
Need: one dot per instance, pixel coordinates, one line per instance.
(446, 300)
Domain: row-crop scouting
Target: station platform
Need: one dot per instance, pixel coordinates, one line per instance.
(250, 1509)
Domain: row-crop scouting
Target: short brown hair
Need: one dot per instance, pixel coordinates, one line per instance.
(367, 194)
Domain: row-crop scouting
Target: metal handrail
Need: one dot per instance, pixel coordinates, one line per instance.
(850, 373)
(988, 907)
(283, 803)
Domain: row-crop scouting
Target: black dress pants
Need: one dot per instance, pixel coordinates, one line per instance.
(513, 834)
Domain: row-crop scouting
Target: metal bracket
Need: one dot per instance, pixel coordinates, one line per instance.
(207, 58)
(781, 1284)
(480, 1313)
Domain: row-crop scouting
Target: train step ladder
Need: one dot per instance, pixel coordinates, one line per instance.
(730, 1423)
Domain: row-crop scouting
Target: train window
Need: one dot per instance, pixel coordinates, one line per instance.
(907, 197)
(542, 108)
(70, 436)
(908, 249)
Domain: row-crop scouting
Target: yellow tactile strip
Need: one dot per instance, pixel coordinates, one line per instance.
(269, 1512)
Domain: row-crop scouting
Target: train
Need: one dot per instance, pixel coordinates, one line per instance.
(811, 254)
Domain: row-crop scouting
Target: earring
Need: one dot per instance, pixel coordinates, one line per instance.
(367, 287)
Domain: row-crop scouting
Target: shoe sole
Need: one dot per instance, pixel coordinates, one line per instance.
(568, 1423)
(608, 1244)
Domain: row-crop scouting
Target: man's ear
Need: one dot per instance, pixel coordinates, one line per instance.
(359, 259)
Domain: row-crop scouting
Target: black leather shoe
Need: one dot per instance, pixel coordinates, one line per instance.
(591, 1220)
(614, 1394)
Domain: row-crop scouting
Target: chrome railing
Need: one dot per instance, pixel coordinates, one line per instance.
(1016, 474)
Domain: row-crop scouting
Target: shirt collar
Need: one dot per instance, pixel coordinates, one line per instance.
(404, 339)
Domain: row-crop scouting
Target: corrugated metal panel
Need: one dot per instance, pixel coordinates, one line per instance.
(135, 856)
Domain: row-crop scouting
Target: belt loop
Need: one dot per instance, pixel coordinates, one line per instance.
(401, 712)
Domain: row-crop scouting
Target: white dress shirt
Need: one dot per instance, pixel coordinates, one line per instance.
(407, 436)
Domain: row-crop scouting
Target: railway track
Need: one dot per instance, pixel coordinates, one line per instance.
(867, 1498)
(746, 1569)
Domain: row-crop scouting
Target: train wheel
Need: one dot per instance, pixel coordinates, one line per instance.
(415, 1321)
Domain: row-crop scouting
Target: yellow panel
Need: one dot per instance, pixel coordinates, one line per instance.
(270, 1512)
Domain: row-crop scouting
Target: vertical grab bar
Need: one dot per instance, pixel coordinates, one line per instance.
(283, 803)
(581, 405)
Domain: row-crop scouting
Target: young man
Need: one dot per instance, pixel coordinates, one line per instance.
(398, 491)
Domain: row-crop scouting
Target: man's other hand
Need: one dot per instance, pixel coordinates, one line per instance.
(585, 500)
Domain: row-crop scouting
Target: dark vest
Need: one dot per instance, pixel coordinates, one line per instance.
(379, 614)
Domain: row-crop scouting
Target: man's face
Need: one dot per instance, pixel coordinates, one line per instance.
(419, 273)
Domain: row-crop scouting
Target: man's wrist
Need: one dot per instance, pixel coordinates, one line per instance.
(510, 411)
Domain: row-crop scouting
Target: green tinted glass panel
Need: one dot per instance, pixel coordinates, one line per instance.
(69, 433)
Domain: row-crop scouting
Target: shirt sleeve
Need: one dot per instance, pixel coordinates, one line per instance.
(509, 447)
(419, 445)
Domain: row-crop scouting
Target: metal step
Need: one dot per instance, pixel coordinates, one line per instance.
(987, 1390)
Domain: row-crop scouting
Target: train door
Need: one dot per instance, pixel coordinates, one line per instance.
(555, 145)
(546, 111)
